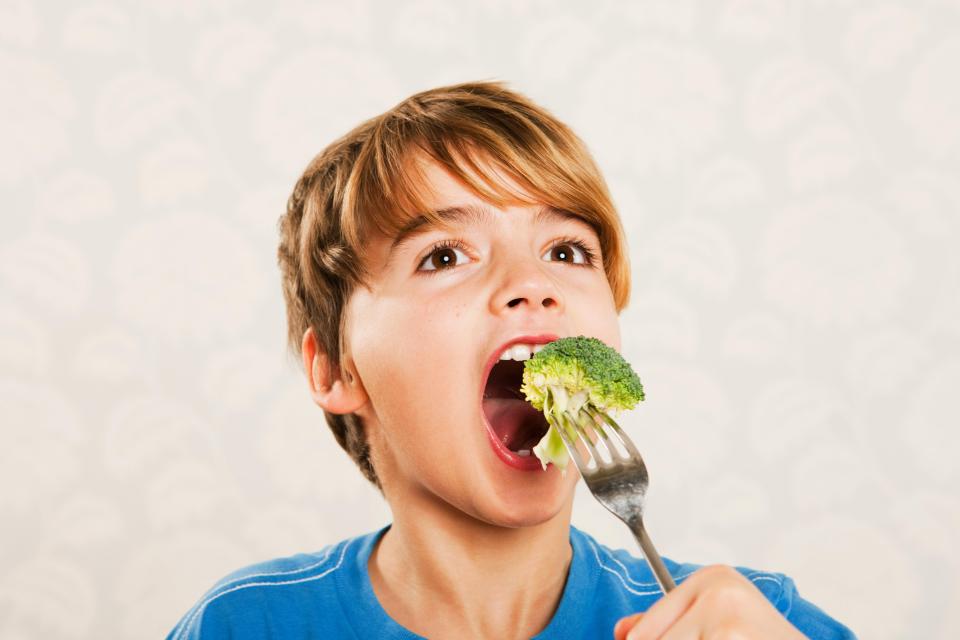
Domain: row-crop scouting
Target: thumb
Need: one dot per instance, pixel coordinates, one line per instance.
(624, 625)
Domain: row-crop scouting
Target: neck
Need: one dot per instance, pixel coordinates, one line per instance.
(469, 577)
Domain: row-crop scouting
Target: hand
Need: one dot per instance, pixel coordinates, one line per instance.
(715, 602)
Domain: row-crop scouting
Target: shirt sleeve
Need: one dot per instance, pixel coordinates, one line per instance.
(808, 618)
(208, 620)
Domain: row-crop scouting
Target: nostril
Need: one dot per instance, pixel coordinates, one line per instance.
(547, 302)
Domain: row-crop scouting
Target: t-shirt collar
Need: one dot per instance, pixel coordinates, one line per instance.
(366, 615)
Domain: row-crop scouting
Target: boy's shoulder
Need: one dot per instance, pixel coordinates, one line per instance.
(625, 582)
(280, 597)
(632, 577)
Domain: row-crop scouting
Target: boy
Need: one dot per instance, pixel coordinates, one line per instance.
(464, 223)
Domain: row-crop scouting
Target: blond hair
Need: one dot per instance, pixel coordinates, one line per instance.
(366, 181)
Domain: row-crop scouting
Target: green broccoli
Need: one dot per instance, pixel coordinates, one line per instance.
(576, 381)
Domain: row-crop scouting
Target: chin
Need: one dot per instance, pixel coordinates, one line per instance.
(520, 518)
(527, 506)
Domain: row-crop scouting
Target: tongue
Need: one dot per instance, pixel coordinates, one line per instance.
(515, 422)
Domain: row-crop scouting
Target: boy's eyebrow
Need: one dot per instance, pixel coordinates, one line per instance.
(466, 214)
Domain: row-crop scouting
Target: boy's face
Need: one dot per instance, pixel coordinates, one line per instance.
(421, 336)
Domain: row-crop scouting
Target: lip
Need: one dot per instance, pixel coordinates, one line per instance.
(523, 463)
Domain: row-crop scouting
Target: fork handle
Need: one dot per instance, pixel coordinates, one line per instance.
(664, 579)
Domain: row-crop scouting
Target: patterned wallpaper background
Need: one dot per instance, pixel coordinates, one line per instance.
(787, 172)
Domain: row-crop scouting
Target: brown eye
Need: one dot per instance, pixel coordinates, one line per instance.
(441, 258)
(566, 252)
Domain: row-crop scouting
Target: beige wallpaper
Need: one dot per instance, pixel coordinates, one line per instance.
(788, 175)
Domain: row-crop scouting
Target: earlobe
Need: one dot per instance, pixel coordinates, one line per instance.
(329, 390)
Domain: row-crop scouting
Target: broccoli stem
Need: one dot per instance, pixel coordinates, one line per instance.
(601, 416)
(580, 418)
(578, 422)
(570, 424)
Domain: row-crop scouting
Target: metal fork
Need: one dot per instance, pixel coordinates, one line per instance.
(620, 484)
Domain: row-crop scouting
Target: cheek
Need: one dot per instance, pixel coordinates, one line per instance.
(433, 333)
(415, 362)
(607, 329)
(598, 315)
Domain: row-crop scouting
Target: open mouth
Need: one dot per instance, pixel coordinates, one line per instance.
(514, 420)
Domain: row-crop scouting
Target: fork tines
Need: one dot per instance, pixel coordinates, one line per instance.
(596, 425)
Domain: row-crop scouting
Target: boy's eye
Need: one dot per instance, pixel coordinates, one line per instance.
(571, 252)
(442, 257)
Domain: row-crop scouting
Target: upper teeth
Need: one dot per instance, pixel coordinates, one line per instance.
(520, 351)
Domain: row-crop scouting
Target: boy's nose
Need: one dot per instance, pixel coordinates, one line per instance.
(526, 286)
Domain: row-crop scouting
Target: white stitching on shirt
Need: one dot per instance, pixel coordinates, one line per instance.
(626, 572)
(754, 576)
(201, 607)
(209, 594)
(625, 585)
(757, 578)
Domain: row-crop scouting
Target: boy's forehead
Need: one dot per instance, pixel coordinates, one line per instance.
(473, 213)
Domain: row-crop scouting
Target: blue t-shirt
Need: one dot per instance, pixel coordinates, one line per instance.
(328, 594)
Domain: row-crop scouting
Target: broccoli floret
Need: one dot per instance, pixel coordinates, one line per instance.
(576, 381)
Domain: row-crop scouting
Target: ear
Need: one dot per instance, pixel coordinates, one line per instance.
(329, 390)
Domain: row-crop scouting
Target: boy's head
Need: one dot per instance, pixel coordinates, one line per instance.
(394, 335)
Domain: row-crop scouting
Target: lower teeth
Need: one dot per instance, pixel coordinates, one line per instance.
(523, 453)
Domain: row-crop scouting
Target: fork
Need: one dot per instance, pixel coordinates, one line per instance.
(619, 484)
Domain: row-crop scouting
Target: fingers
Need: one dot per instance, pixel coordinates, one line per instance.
(624, 625)
(716, 601)
(691, 625)
(668, 609)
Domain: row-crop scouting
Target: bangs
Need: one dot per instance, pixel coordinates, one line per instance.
(391, 188)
